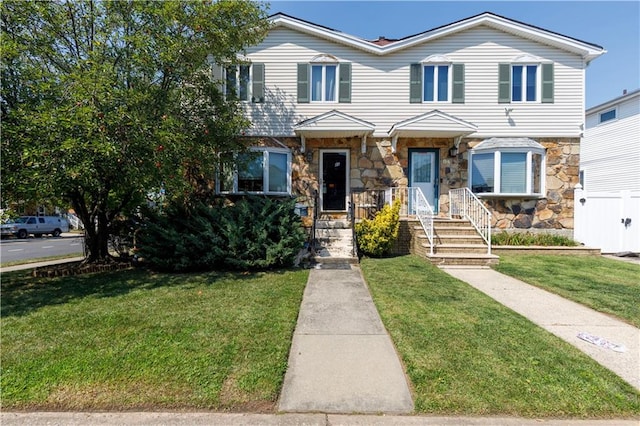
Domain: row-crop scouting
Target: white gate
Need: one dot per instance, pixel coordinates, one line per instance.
(609, 221)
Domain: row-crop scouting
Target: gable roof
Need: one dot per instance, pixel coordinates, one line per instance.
(334, 124)
(434, 124)
(587, 51)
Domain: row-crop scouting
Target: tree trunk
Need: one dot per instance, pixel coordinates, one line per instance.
(96, 232)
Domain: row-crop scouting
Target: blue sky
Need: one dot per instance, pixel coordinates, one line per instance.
(614, 25)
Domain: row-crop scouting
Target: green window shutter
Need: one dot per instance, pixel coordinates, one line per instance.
(303, 83)
(344, 90)
(458, 84)
(547, 83)
(258, 83)
(415, 83)
(232, 80)
(504, 83)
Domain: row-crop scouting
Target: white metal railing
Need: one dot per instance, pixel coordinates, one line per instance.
(74, 221)
(414, 203)
(464, 203)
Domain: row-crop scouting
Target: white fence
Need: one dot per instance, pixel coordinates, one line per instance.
(609, 221)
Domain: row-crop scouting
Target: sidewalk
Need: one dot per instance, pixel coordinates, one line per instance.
(342, 360)
(206, 419)
(39, 264)
(563, 318)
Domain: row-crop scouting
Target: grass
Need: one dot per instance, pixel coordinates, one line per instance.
(137, 340)
(606, 285)
(468, 355)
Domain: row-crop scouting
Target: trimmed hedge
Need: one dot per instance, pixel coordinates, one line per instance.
(252, 233)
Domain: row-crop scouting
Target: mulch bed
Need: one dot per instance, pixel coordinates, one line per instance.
(77, 268)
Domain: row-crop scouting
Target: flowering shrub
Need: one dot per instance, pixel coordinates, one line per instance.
(376, 236)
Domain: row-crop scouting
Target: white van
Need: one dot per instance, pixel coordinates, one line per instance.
(36, 225)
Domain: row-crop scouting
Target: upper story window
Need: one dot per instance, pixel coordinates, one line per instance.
(513, 167)
(608, 115)
(436, 80)
(524, 81)
(324, 79)
(245, 82)
(259, 171)
(323, 83)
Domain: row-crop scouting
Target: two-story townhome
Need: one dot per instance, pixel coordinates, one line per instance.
(485, 103)
(607, 209)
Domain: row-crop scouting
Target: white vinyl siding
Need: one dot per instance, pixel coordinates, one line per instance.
(610, 151)
(380, 84)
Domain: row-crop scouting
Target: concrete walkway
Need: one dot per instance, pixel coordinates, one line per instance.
(563, 318)
(342, 360)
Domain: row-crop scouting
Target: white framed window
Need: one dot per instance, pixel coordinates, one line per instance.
(258, 171)
(526, 80)
(507, 171)
(245, 82)
(323, 82)
(435, 85)
(524, 83)
(608, 115)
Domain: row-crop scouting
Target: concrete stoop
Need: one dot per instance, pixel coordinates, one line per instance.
(334, 242)
(457, 243)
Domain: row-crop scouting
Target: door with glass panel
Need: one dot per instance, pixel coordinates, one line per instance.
(334, 165)
(423, 174)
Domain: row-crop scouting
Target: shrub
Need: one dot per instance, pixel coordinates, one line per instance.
(255, 232)
(528, 239)
(376, 236)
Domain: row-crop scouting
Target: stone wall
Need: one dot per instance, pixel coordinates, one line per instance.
(380, 168)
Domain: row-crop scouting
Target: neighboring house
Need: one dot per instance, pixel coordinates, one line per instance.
(608, 206)
(487, 103)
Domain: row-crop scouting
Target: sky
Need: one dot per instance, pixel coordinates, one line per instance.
(614, 25)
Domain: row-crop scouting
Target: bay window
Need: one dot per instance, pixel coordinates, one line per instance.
(507, 169)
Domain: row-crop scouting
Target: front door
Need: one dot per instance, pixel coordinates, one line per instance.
(334, 165)
(423, 173)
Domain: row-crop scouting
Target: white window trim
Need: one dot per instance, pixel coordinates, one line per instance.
(497, 183)
(265, 173)
(606, 111)
(524, 66)
(323, 90)
(237, 88)
(435, 65)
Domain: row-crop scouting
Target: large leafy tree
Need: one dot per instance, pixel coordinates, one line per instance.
(106, 102)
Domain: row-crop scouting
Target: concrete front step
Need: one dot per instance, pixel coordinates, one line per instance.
(455, 230)
(459, 239)
(452, 223)
(334, 233)
(462, 249)
(332, 224)
(463, 259)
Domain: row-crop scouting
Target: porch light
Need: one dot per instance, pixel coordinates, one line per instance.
(453, 151)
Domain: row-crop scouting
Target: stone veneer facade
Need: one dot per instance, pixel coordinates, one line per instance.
(380, 168)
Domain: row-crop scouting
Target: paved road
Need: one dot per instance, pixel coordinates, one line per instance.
(12, 249)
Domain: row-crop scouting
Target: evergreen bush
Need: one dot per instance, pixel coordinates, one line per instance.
(253, 233)
(376, 236)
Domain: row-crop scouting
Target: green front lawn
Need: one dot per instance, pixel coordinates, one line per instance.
(606, 285)
(136, 340)
(466, 354)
